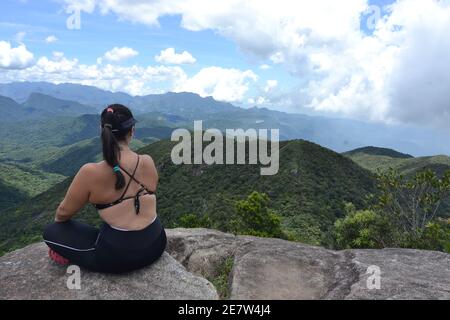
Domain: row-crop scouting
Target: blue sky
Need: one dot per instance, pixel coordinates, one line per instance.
(100, 33)
(293, 56)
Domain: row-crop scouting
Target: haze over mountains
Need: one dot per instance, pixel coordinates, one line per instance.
(40, 100)
(49, 131)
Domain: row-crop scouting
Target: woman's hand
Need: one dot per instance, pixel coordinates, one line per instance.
(61, 219)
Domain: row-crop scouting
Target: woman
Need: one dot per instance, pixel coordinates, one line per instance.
(122, 189)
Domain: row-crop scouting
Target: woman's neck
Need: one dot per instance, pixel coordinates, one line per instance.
(124, 147)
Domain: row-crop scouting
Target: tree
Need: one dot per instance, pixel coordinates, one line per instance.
(435, 236)
(362, 229)
(412, 204)
(253, 217)
(404, 215)
(191, 220)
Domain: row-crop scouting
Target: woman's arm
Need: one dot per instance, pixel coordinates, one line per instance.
(77, 195)
(151, 168)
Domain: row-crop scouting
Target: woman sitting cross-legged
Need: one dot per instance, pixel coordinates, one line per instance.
(122, 189)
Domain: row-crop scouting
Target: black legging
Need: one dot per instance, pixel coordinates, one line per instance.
(106, 250)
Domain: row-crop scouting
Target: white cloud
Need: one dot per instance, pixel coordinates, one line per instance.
(14, 58)
(264, 67)
(169, 56)
(58, 55)
(418, 85)
(400, 72)
(135, 80)
(268, 95)
(270, 85)
(80, 5)
(59, 64)
(119, 54)
(20, 36)
(222, 84)
(51, 39)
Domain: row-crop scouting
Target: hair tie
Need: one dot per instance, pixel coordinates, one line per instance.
(116, 168)
(110, 110)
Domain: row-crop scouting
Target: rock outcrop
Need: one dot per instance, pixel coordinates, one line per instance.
(262, 269)
(28, 273)
(278, 269)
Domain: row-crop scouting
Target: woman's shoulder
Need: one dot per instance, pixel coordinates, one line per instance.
(150, 167)
(147, 158)
(93, 168)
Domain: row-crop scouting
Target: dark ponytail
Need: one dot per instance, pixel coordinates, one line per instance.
(112, 120)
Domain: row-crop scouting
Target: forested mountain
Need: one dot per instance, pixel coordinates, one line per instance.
(375, 159)
(39, 106)
(48, 106)
(381, 160)
(376, 151)
(181, 109)
(10, 195)
(46, 137)
(309, 192)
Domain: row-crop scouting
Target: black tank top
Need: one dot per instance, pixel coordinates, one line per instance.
(142, 191)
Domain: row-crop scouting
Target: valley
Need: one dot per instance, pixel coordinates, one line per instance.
(46, 139)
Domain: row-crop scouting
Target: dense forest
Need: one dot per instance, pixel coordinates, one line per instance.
(309, 193)
(318, 197)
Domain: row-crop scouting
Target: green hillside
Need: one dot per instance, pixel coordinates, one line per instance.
(28, 180)
(10, 110)
(41, 105)
(37, 154)
(38, 140)
(309, 192)
(10, 195)
(42, 141)
(408, 166)
(376, 151)
(70, 158)
(375, 159)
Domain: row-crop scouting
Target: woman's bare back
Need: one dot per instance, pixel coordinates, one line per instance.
(123, 215)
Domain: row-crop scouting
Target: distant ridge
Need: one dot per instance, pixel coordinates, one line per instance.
(48, 105)
(376, 151)
(40, 106)
(181, 109)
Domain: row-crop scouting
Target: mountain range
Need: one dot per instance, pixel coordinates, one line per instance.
(375, 159)
(49, 131)
(43, 99)
(309, 192)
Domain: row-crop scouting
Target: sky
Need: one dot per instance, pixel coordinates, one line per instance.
(380, 60)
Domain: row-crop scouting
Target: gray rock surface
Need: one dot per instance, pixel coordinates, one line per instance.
(262, 269)
(405, 274)
(201, 251)
(28, 273)
(278, 269)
